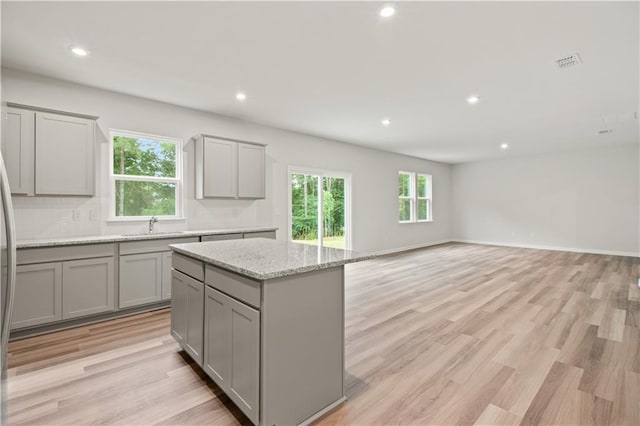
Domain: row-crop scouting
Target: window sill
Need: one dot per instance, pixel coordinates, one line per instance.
(145, 219)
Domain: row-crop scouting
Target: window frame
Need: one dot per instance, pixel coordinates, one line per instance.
(428, 198)
(411, 197)
(414, 197)
(177, 180)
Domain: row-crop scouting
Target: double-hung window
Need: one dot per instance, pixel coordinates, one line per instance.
(145, 176)
(406, 197)
(414, 197)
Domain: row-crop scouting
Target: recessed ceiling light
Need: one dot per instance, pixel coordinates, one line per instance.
(504, 145)
(79, 51)
(386, 122)
(473, 99)
(241, 96)
(387, 11)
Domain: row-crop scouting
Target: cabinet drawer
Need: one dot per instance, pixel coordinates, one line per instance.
(53, 254)
(241, 288)
(221, 237)
(150, 246)
(264, 234)
(188, 266)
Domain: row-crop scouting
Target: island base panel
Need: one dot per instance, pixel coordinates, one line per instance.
(302, 346)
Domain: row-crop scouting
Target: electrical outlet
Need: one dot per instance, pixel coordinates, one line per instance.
(76, 215)
(93, 215)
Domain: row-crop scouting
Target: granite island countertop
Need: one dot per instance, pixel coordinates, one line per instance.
(264, 259)
(98, 239)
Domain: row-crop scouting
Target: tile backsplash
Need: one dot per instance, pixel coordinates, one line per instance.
(59, 217)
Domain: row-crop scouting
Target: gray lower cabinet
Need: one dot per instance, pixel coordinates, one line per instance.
(263, 234)
(221, 237)
(140, 279)
(232, 349)
(187, 314)
(166, 275)
(88, 287)
(38, 295)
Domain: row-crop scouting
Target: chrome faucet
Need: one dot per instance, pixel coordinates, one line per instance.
(152, 222)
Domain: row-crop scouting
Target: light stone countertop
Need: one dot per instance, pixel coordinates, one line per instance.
(97, 239)
(264, 259)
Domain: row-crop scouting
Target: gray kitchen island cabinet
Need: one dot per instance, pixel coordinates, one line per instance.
(273, 316)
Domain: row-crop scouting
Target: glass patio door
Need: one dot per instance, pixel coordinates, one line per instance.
(319, 208)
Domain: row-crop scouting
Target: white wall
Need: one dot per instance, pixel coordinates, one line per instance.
(581, 200)
(374, 173)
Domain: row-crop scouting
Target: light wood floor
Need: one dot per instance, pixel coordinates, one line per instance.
(456, 334)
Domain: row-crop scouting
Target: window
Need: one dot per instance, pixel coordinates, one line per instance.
(146, 176)
(414, 197)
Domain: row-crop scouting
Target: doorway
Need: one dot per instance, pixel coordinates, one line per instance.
(319, 208)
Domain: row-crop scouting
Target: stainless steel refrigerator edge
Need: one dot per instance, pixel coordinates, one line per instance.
(8, 268)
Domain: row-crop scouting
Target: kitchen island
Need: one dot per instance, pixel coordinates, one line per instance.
(265, 320)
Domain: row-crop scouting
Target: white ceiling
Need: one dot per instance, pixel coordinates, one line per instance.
(336, 69)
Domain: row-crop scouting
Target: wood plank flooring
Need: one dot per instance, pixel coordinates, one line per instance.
(457, 334)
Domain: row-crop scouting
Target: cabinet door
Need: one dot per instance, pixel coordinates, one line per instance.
(140, 279)
(166, 275)
(18, 149)
(232, 350)
(179, 307)
(250, 171)
(64, 155)
(217, 337)
(38, 295)
(195, 319)
(220, 168)
(87, 287)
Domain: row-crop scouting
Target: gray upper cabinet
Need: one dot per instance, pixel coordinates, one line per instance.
(70, 139)
(140, 279)
(18, 149)
(38, 295)
(88, 287)
(36, 141)
(250, 171)
(228, 169)
(220, 168)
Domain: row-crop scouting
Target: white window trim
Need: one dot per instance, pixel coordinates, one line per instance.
(179, 216)
(413, 197)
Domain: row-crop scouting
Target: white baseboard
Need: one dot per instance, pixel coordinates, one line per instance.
(407, 248)
(554, 248)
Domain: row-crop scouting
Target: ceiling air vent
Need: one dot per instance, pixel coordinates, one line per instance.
(605, 131)
(569, 61)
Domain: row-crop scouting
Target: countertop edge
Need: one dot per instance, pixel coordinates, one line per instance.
(105, 239)
(271, 275)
